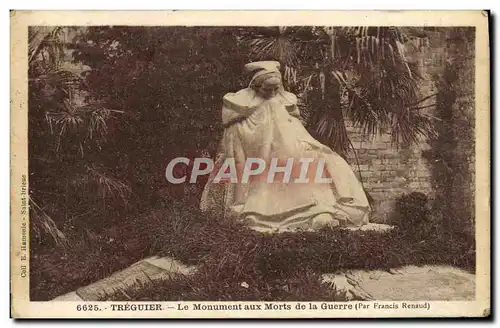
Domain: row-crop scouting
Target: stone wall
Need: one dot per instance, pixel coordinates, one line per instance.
(386, 171)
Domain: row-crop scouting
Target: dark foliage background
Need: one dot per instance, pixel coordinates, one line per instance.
(151, 94)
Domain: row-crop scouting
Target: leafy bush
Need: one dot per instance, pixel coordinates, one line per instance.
(412, 211)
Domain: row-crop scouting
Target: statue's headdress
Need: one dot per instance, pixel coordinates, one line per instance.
(238, 103)
(264, 70)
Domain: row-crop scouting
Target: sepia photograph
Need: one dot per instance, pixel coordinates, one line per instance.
(232, 168)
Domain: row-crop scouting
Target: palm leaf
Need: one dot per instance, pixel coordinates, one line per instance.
(59, 77)
(43, 37)
(409, 126)
(381, 85)
(43, 225)
(279, 43)
(332, 131)
(107, 186)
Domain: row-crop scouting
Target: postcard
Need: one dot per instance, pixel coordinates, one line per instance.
(250, 164)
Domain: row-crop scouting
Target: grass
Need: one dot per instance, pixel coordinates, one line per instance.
(91, 257)
(301, 285)
(236, 263)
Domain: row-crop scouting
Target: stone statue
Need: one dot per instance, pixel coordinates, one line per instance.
(263, 134)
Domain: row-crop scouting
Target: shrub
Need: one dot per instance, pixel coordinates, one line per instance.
(412, 213)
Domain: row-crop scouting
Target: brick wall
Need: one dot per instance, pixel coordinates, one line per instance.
(386, 171)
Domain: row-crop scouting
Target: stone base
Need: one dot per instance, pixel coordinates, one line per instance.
(411, 283)
(142, 272)
(70, 297)
(372, 227)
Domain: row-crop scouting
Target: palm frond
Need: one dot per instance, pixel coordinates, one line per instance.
(44, 38)
(107, 186)
(79, 124)
(409, 126)
(290, 74)
(367, 63)
(278, 43)
(65, 120)
(332, 131)
(36, 37)
(43, 225)
(97, 124)
(58, 77)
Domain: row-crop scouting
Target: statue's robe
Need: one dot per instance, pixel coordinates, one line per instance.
(267, 129)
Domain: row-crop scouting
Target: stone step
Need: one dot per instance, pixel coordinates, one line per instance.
(410, 283)
(145, 271)
(371, 227)
(73, 296)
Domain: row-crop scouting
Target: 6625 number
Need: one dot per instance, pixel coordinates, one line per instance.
(87, 307)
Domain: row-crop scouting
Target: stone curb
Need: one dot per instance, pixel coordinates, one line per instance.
(147, 270)
(409, 283)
